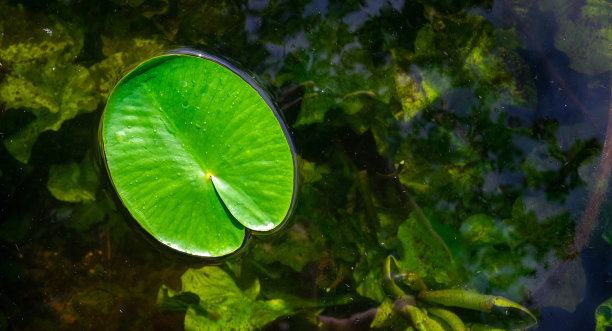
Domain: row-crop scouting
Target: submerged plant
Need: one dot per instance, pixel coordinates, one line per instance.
(197, 155)
(432, 310)
(459, 137)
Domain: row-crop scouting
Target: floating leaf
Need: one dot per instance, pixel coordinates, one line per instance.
(196, 154)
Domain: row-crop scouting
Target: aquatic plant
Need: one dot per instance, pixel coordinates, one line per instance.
(197, 154)
(463, 138)
(429, 309)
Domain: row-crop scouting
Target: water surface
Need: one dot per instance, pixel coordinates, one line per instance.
(468, 140)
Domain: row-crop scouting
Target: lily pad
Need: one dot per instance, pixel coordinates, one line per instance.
(197, 154)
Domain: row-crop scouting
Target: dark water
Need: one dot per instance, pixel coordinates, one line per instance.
(469, 140)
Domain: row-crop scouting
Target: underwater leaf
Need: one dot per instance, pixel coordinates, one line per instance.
(35, 55)
(311, 172)
(66, 89)
(459, 64)
(221, 304)
(295, 249)
(386, 318)
(375, 116)
(53, 94)
(502, 248)
(385, 83)
(419, 319)
(315, 104)
(341, 82)
(118, 61)
(483, 327)
(418, 89)
(31, 39)
(253, 290)
(73, 182)
(196, 161)
(470, 300)
(147, 8)
(584, 33)
(169, 300)
(424, 252)
(341, 77)
(198, 19)
(142, 47)
(87, 214)
(390, 269)
(480, 230)
(450, 318)
(527, 229)
(603, 316)
(369, 277)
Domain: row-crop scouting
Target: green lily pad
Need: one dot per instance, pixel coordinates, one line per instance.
(197, 154)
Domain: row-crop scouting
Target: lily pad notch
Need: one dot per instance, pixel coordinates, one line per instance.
(198, 154)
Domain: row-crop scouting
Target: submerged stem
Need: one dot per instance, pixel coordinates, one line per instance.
(587, 222)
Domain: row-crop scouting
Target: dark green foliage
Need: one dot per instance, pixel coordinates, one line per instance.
(424, 132)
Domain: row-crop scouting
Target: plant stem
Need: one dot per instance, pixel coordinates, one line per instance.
(587, 222)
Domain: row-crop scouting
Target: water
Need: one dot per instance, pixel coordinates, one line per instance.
(462, 138)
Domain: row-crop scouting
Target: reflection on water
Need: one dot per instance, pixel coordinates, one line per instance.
(446, 145)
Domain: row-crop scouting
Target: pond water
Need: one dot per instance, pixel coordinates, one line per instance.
(448, 151)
